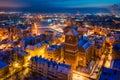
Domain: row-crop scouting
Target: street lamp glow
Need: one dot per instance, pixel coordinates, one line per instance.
(28, 58)
(16, 64)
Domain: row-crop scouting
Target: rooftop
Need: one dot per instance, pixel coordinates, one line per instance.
(82, 29)
(109, 74)
(116, 47)
(116, 64)
(72, 32)
(84, 44)
(60, 67)
(3, 64)
(30, 47)
(52, 47)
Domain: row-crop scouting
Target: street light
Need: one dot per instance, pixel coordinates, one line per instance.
(16, 64)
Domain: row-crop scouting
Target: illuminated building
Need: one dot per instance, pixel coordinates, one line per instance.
(3, 34)
(49, 35)
(78, 51)
(109, 74)
(116, 51)
(28, 41)
(53, 52)
(82, 31)
(19, 56)
(71, 53)
(86, 52)
(40, 38)
(115, 64)
(38, 49)
(4, 68)
(100, 46)
(98, 51)
(19, 31)
(100, 31)
(51, 69)
(35, 29)
(86, 47)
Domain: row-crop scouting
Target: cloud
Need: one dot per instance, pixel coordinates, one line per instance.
(12, 3)
(55, 3)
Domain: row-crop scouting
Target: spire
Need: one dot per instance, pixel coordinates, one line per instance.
(35, 29)
(72, 32)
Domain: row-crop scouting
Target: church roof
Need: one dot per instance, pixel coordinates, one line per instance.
(81, 43)
(82, 29)
(84, 44)
(3, 64)
(72, 32)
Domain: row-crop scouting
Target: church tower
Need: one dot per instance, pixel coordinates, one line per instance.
(35, 29)
(71, 48)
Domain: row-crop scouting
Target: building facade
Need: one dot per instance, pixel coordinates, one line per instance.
(51, 69)
(71, 51)
(77, 51)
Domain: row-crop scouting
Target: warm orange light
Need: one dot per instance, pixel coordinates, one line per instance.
(16, 64)
(35, 29)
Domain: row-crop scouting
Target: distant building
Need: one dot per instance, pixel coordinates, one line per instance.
(82, 31)
(49, 35)
(37, 39)
(3, 34)
(117, 36)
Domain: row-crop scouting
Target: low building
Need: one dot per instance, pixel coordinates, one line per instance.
(51, 69)
(19, 56)
(86, 52)
(115, 64)
(4, 68)
(82, 31)
(100, 46)
(116, 51)
(109, 74)
(98, 51)
(117, 36)
(37, 49)
(54, 52)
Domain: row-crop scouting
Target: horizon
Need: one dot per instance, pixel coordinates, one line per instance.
(58, 6)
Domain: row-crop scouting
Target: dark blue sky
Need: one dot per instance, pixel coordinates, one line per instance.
(57, 3)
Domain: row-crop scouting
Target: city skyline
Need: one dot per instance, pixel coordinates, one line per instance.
(59, 39)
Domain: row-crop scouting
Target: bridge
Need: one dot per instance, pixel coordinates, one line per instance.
(52, 28)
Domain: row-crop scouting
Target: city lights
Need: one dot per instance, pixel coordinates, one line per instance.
(59, 40)
(16, 64)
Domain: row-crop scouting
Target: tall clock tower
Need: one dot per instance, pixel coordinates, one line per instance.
(71, 48)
